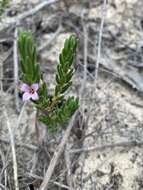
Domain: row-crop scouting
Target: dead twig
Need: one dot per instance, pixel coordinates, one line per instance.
(28, 146)
(54, 182)
(100, 148)
(15, 168)
(68, 166)
(83, 83)
(3, 187)
(18, 18)
(49, 42)
(19, 118)
(1, 75)
(3, 163)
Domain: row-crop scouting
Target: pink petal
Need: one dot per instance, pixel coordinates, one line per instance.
(35, 86)
(35, 96)
(24, 87)
(26, 96)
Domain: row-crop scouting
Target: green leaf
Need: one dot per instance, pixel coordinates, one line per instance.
(64, 88)
(60, 115)
(28, 57)
(65, 66)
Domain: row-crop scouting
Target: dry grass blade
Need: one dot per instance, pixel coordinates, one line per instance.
(15, 61)
(15, 168)
(99, 43)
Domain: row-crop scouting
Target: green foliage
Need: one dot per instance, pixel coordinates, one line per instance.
(61, 114)
(54, 110)
(3, 5)
(64, 68)
(28, 57)
(44, 99)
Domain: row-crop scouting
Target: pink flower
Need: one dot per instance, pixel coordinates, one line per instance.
(30, 92)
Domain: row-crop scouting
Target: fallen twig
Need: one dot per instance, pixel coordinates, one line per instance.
(100, 148)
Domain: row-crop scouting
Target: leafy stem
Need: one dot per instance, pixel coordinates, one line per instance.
(55, 109)
(65, 67)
